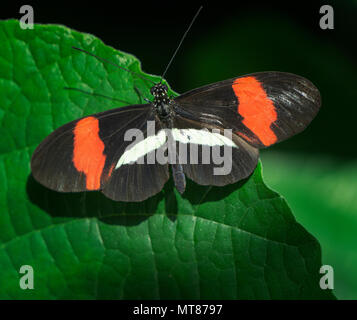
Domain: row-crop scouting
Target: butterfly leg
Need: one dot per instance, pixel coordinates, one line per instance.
(179, 177)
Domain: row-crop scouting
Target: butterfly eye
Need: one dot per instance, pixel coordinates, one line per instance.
(164, 86)
(152, 90)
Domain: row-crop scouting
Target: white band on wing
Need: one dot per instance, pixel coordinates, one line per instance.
(141, 148)
(202, 136)
(193, 136)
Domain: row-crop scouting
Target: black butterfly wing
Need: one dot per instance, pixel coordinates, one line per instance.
(135, 173)
(208, 157)
(82, 155)
(262, 108)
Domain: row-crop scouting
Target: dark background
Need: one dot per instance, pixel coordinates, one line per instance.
(234, 38)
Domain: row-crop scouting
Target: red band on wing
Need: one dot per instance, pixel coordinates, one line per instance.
(88, 150)
(256, 108)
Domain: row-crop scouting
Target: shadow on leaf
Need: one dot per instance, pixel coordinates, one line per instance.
(197, 194)
(90, 204)
(95, 204)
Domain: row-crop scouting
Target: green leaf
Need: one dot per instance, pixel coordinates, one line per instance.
(235, 242)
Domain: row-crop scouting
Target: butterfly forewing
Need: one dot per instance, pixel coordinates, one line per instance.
(263, 108)
(80, 155)
(135, 173)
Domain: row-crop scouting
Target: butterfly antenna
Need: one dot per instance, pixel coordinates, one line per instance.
(178, 47)
(112, 63)
(95, 94)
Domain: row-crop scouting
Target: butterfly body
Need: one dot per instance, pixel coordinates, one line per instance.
(162, 103)
(164, 108)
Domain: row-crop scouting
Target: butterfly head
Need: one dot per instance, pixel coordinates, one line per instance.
(159, 90)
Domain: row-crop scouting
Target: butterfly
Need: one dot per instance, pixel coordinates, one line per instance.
(99, 152)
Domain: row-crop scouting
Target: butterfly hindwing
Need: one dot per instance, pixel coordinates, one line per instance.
(263, 108)
(210, 157)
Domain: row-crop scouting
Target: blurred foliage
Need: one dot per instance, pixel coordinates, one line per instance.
(322, 194)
